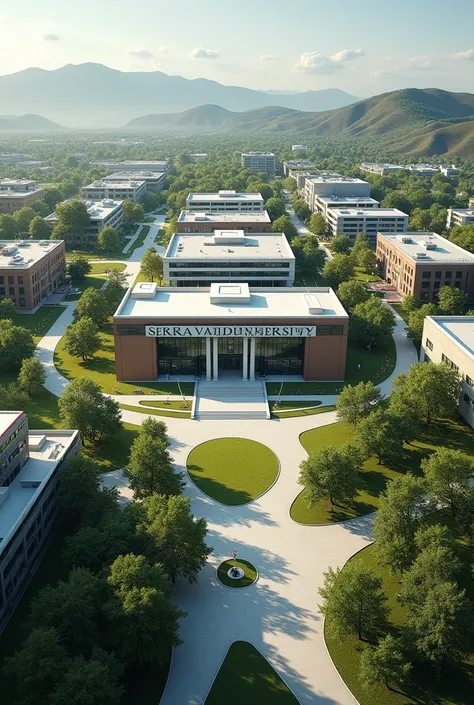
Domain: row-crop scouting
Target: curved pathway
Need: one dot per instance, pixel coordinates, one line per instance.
(279, 614)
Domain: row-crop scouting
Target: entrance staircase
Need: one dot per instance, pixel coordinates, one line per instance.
(231, 398)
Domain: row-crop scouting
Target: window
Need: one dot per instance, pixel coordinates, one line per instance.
(447, 276)
(437, 275)
(329, 330)
(469, 381)
(429, 344)
(21, 290)
(22, 303)
(2, 280)
(425, 285)
(11, 290)
(20, 280)
(131, 330)
(426, 275)
(449, 363)
(458, 275)
(436, 285)
(11, 280)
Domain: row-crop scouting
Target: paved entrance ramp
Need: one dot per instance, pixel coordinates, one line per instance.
(231, 399)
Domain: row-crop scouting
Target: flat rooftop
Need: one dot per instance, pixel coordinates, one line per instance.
(174, 303)
(117, 184)
(144, 163)
(224, 196)
(98, 210)
(299, 164)
(459, 328)
(36, 471)
(463, 211)
(18, 183)
(140, 175)
(23, 254)
(335, 179)
(7, 419)
(346, 199)
(258, 154)
(444, 251)
(229, 245)
(200, 217)
(367, 212)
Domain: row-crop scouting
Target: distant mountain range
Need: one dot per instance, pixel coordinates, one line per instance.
(414, 121)
(27, 123)
(94, 95)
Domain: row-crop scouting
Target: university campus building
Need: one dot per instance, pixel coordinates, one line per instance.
(230, 328)
(101, 213)
(259, 162)
(30, 467)
(261, 259)
(252, 222)
(122, 190)
(18, 193)
(370, 221)
(460, 216)
(225, 202)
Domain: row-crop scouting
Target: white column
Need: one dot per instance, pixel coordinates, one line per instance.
(252, 358)
(245, 353)
(208, 359)
(215, 358)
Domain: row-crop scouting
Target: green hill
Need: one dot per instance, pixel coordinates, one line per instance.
(27, 123)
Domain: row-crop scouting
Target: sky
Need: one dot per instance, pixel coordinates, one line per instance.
(364, 47)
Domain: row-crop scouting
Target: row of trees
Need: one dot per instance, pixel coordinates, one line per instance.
(451, 302)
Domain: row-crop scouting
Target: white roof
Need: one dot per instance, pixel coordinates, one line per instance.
(37, 469)
(25, 183)
(229, 245)
(346, 199)
(7, 419)
(118, 184)
(444, 251)
(258, 154)
(367, 212)
(224, 195)
(98, 210)
(201, 217)
(463, 211)
(23, 254)
(142, 175)
(460, 329)
(335, 179)
(189, 302)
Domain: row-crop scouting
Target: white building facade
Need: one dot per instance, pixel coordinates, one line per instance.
(460, 216)
(350, 221)
(259, 162)
(333, 185)
(121, 190)
(225, 202)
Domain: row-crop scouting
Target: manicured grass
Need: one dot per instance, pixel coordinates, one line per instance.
(455, 686)
(156, 412)
(300, 409)
(100, 269)
(373, 478)
(95, 254)
(40, 322)
(362, 276)
(249, 577)
(97, 276)
(168, 405)
(246, 677)
(102, 369)
(233, 470)
(375, 366)
(140, 239)
(161, 238)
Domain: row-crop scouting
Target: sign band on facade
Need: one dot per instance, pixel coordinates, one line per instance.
(230, 331)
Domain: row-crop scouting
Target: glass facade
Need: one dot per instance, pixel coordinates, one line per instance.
(279, 356)
(181, 356)
(230, 353)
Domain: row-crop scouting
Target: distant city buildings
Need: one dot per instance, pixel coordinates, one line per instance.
(154, 180)
(322, 204)
(422, 263)
(161, 165)
(199, 222)
(381, 169)
(120, 190)
(18, 193)
(333, 185)
(197, 156)
(417, 169)
(32, 462)
(259, 162)
(299, 148)
(460, 216)
(471, 203)
(102, 213)
(370, 221)
(296, 165)
(263, 259)
(450, 339)
(224, 202)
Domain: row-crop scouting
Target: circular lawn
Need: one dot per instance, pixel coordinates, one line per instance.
(248, 578)
(233, 471)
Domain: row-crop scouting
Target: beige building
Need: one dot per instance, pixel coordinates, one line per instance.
(30, 271)
(333, 185)
(450, 339)
(18, 193)
(190, 222)
(422, 263)
(102, 214)
(121, 190)
(459, 216)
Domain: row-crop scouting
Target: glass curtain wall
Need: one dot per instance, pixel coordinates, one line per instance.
(279, 356)
(181, 356)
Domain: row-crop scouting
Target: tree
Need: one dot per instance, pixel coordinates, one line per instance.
(37, 667)
(175, 537)
(330, 473)
(384, 663)
(309, 256)
(361, 243)
(151, 265)
(78, 485)
(275, 207)
(379, 436)
(93, 304)
(83, 406)
(7, 227)
(451, 301)
(115, 289)
(133, 212)
(12, 397)
(317, 225)
(7, 309)
(401, 507)
(108, 239)
(429, 390)
(155, 429)
(353, 602)
(81, 339)
(32, 375)
(38, 229)
(284, 224)
(341, 244)
(301, 208)
(355, 402)
(23, 217)
(150, 468)
(367, 260)
(352, 293)
(73, 220)
(143, 621)
(447, 473)
(78, 267)
(338, 269)
(372, 323)
(463, 235)
(93, 681)
(416, 320)
(72, 608)
(16, 344)
(441, 627)
(52, 196)
(409, 303)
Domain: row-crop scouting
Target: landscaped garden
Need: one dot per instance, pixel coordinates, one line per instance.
(247, 677)
(159, 410)
(40, 322)
(233, 471)
(98, 274)
(292, 409)
(373, 478)
(249, 571)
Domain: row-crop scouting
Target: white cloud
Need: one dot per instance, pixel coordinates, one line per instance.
(142, 55)
(50, 37)
(465, 55)
(201, 53)
(270, 57)
(313, 62)
(423, 63)
(145, 59)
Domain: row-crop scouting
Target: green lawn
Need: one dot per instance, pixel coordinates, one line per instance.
(233, 470)
(300, 410)
(140, 239)
(373, 478)
(375, 366)
(163, 404)
(95, 254)
(247, 678)
(102, 369)
(161, 238)
(40, 322)
(249, 577)
(456, 684)
(97, 276)
(362, 276)
(160, 411)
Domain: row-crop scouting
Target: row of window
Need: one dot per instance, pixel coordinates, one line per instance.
(232, 265)
(449, 363)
